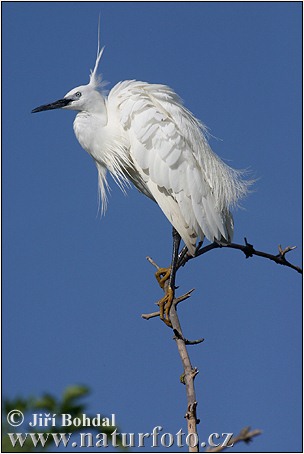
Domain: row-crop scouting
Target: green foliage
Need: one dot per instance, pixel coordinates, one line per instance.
(47, 403)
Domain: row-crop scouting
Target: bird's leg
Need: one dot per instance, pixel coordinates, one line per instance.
(165, 274)
(176, 243)
(181, 256)
(184, 255)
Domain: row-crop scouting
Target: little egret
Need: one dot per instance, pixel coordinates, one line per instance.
(142, 133)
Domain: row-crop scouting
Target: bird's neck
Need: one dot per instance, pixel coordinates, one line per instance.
(96, 104)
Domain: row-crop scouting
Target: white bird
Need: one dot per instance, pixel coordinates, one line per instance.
(142, 133)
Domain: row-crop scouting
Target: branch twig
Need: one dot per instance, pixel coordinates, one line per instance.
(249, 251)
(245, 435)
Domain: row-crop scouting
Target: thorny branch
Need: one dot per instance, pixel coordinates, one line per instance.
(248, 250)
(187, 378)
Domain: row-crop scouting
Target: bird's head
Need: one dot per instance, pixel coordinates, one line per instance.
(83, 98)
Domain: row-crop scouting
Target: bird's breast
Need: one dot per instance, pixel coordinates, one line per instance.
(103, 141)
(90, 131)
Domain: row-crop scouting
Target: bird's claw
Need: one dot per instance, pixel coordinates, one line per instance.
(162, 275)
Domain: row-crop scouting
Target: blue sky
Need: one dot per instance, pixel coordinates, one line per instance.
(75, 284)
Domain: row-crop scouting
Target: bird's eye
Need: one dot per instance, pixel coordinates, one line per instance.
(78, 94)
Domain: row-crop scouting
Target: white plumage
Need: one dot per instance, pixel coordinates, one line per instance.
(142, 133)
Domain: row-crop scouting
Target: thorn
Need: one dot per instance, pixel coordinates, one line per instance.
(194, 372)
(194, 342)
(249, 249)
(178, 335)
(244, 431)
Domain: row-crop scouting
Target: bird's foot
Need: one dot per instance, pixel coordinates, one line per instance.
(162, 275)
(165, 305)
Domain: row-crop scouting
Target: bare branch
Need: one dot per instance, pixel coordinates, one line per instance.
(188, 376)
(248, 250)
(189, 373)
(245, 435)
(184, 297)
(152, 262)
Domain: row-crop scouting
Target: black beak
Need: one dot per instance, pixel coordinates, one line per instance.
(54, 105)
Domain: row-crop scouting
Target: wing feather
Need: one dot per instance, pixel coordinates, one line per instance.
(171, 155)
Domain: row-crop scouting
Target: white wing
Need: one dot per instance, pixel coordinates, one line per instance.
(173, 160)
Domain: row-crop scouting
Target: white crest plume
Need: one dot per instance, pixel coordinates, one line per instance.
(95, 80)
